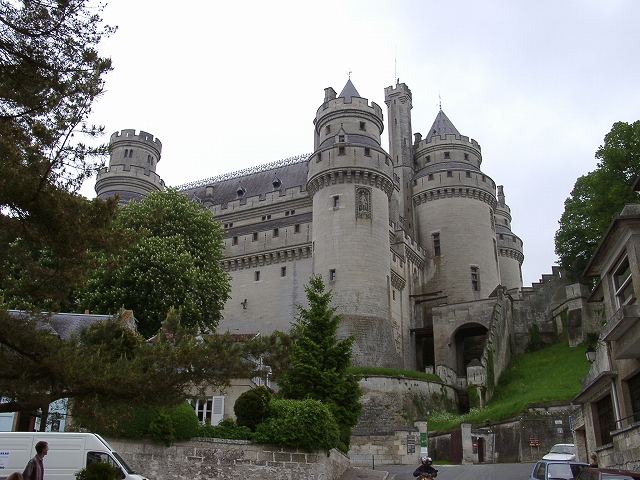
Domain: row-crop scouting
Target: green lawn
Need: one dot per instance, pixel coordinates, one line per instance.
(551, 374)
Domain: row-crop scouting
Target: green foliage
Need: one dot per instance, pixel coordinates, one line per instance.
(598, 197)
(227, 428)
(175, 262)
(185, 421)
(474, 397)
(299, 423)
(535, 343)
(319, 362)
(252, 407)
(163, 424)
(97, 471)
(551, 374)
(50, 75)
(364, 372)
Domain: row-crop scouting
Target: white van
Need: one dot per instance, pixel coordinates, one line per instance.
(68, 453)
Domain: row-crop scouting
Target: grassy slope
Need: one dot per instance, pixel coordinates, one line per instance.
(553, 373)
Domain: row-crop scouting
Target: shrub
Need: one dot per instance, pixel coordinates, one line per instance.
(97, 471)
(299, 423)
(227, 428)
(185, 421)
(164, 424)
(252, 407)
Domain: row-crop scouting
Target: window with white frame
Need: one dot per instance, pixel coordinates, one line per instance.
(211, 408)
(622, 283)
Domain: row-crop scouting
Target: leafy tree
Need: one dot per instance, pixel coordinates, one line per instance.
(110, 363)
(598, 197)
(175, 262)
(50, 74)
(319, 362)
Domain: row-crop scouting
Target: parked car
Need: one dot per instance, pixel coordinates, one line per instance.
(607, 474)
(556, 470)
(561, 451)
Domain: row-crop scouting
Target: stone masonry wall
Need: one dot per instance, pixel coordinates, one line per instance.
(389, 404)
(228, 459)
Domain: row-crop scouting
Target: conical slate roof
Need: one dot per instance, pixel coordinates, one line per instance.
(348, 91)
(442, 126)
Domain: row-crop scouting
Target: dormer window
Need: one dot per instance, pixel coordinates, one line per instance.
(276, 183)
(240, 191)
(341, 138)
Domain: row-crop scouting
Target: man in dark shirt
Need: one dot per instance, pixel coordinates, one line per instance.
(35, 467)
(425, 468)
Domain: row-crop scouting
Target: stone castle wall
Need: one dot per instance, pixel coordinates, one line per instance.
(216, 458)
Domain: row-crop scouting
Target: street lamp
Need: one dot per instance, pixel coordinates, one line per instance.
(591, 354)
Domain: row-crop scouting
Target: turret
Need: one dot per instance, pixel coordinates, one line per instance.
(510, 247)
(350, 182)
(454, 205)
(132, 167)
(398, 101)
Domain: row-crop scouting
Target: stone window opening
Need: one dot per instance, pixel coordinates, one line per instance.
(468, 174)
(283, 271)
(327, 129)
(276, 232)
(363, 126)
(332, 275)
(367, 152)
(296, 228)
(256, 276)
(449, 173)
(255, 236)
(436, 244)
(341, 151)
(447, 155)
(336, 201)
(235, 240)
(475, 279)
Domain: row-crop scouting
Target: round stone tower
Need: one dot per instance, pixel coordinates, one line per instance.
(132, 167)
(510, 248)
(350, 183)
(454, 203)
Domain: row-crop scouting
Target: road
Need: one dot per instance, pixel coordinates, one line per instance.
(498, 471)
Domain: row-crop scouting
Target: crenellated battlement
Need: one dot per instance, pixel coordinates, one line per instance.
(128, 137)
(400, 89)
(450, 139)
(356, 104)
(129, 171)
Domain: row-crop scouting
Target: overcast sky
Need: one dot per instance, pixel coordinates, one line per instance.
(230, 85)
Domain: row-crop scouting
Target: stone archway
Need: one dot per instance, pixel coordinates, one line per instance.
(468, 343)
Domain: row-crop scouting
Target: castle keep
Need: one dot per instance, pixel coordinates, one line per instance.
(406, 239)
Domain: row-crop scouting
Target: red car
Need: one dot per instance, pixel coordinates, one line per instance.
(589, 473)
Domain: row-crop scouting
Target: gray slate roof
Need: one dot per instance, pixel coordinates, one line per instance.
(258, 183)
(442, 126)
(63, 324)
(349, 91)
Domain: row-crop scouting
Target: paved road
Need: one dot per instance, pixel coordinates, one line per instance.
(499, 471)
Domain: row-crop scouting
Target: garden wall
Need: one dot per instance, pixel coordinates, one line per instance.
(212, 458)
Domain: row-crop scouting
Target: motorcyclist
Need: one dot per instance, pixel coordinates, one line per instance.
(425, 468)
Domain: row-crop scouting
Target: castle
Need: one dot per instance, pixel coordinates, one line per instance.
(405, 239)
